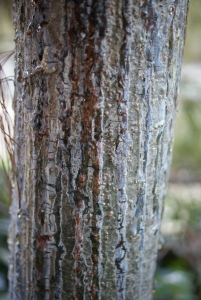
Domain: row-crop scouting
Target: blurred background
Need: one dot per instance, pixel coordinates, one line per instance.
(6, 44)
(178, 275)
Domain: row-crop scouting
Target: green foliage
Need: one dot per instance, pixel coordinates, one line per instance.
(187, 146)
(4, 198)
(185, 209)
(174, 284)
(178, 273)
(6, 26)
(192, 48)
(4, 222)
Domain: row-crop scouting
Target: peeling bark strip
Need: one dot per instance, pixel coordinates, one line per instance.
(95, 101)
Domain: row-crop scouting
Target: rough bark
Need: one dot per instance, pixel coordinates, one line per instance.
(95, 99)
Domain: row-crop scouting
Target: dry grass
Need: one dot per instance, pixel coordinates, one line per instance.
(6, 124)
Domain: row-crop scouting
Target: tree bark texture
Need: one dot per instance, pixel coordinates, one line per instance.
(96, 87)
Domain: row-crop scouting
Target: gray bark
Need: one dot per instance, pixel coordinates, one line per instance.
(96, 87)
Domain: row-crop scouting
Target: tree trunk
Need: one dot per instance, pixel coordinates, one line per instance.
(95, 99)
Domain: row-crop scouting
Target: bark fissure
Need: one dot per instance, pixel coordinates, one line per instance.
(121, 149)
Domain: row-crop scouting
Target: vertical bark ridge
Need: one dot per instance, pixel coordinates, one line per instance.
(150, 109)
(112, 77)
(85, 33)
(64, 88)
(123, 143)
(40, 211)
